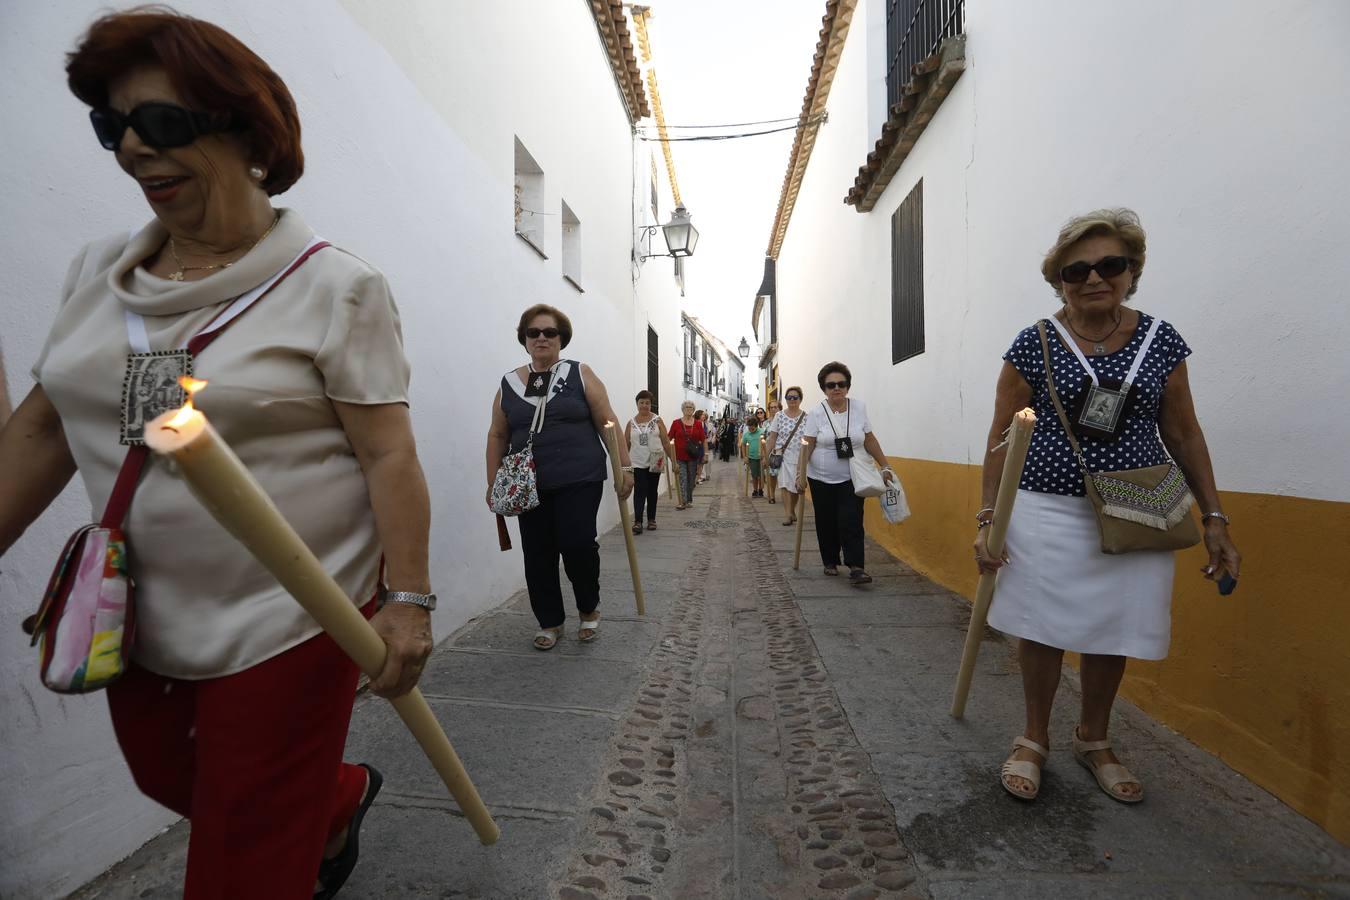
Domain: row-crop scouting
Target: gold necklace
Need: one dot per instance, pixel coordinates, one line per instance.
(182, 269)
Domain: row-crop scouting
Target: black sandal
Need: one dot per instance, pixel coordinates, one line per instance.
(333, 873)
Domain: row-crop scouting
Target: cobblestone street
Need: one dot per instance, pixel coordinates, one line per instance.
(765, 733)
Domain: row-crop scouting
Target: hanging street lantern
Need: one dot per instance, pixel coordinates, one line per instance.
(681, 235)
(744, 349)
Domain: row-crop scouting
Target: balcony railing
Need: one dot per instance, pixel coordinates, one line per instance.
(914, 29)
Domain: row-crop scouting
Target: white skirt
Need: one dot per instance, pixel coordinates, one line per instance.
(787, 472)
(1063, 591)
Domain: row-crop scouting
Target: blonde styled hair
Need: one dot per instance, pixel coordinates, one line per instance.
(1119, 223)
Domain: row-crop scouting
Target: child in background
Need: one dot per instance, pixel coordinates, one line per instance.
(752, 441)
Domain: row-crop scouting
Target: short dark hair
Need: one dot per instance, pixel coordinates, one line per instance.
(699, 414)
(800, 395)
(829, 369)
(642, 395)
(752, 423)
(543, 309)
(209, 67)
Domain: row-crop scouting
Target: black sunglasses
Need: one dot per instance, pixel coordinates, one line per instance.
(794, 397)
(835, 385)
(159, 125)
(1107, 267)
(549, 333)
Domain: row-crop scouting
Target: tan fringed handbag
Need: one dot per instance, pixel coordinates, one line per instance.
(1137, 509)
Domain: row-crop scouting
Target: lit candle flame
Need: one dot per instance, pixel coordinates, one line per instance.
(186, 411)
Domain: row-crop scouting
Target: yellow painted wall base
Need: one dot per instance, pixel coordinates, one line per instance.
(1260, 678)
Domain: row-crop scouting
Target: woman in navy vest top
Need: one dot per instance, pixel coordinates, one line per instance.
(570, 464)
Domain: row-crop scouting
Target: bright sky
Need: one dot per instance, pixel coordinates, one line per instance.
(719, 62)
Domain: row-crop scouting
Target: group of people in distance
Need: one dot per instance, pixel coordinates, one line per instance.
(235, 707)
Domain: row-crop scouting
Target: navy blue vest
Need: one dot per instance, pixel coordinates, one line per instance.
(568, 450)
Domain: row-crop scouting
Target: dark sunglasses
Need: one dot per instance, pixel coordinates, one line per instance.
(158, 125)
(1107, 267)
(794, 397)
(835, 385)
(549, 333)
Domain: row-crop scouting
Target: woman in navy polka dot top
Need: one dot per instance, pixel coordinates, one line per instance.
(1056, 589)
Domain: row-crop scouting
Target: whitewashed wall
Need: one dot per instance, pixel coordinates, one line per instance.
(409, 112)
(1221, 123)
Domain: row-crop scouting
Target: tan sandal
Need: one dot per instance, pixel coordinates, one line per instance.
(1109, 776)
(548, 638)
(1024, 768)
(591, 625)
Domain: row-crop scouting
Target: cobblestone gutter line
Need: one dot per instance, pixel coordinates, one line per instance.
(628, 842)
(845, 832)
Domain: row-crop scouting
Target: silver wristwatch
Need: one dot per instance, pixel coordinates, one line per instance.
(426, 601)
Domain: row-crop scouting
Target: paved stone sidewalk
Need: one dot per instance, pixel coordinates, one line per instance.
(764, 733)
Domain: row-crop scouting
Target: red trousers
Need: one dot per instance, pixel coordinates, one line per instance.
(254, 759)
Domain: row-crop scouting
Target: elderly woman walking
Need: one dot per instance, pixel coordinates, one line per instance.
(840, 422)
(688, 437)
(645, 435)
(570, 464)
(235, 707)
(770, 472)
(784, 450)
(1058, 590)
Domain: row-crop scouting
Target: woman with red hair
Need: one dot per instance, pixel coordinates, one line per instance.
(235, 708)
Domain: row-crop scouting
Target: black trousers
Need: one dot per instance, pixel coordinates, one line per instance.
(645, 491)
(563, 524)
(839, 522)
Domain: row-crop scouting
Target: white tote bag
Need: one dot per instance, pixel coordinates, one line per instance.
(867, 480)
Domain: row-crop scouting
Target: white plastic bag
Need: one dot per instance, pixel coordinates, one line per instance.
(894, 506)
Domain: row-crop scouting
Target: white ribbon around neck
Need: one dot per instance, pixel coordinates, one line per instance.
(140, 338)
(1082, 360)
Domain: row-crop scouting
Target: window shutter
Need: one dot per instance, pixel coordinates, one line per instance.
(907, 277)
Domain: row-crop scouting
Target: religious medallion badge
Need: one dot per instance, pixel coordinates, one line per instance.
(151, 387)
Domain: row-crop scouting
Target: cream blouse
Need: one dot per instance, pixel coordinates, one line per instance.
(330, 331)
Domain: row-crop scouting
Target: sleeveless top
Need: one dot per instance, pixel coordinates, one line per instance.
(567, 450)
(1051, 468)
(641, 454)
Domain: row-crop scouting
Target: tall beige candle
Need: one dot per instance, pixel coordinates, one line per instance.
(670, 477)
(229, 492)
(801, 518)
(612, 442)
(1019, 440)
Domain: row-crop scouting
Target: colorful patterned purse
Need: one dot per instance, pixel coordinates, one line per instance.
(87, 620)
(1137, 509)
(515, 488)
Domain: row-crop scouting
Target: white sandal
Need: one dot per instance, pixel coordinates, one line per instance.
(1109, 775)
(591, 625)
(1024, 768)
(549, 638)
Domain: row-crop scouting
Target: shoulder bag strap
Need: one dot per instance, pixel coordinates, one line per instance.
(119, 501)
(1054, 398)
(800, 419)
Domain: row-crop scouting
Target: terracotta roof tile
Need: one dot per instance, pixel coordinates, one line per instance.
(613, 24)
(833, 32)
(932, 81)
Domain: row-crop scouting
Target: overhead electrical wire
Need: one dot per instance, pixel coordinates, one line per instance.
(738, 124)
(730, 137)
(747, 134)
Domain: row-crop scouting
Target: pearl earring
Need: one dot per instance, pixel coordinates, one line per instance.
(256, 172)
